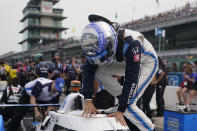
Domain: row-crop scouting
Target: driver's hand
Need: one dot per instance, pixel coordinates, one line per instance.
(38, 116)
(89, 109)
(119, 117)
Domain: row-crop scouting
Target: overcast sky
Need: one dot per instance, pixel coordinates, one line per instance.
(77, 12)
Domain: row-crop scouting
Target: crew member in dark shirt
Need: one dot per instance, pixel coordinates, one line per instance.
(56, 68)
(42, 68)
(10, 95)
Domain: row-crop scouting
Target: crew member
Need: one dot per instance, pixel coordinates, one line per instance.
(41, 91)
(10, 95)
(42, 68)
(56, 68)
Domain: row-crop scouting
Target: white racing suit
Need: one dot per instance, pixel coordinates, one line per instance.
(147, 70)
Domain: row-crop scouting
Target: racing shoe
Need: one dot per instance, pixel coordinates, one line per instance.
(185, 108)
(179, 106)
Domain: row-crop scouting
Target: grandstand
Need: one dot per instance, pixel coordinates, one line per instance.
(180, 24)
(179, 44)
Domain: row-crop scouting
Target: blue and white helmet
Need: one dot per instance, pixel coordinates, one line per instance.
(99, 43)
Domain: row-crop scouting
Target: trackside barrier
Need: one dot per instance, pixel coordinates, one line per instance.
(27, 105)
(1, 124)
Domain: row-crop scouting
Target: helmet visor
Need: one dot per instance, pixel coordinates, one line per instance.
(90, 41)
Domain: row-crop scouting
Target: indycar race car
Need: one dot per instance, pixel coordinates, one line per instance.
(70, 119)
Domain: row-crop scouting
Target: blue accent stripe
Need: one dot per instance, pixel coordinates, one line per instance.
(149, 78)
(101, 87)
(29, 88)
(97, 57)
(125, 48)
(139, 119)
(140, 89)
(35, 123)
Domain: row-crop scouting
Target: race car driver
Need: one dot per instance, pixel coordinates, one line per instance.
(110, 51)
(41, 91)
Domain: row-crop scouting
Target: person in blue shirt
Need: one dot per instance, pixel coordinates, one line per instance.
(186, 85)
(110, 51)
(193, 89)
